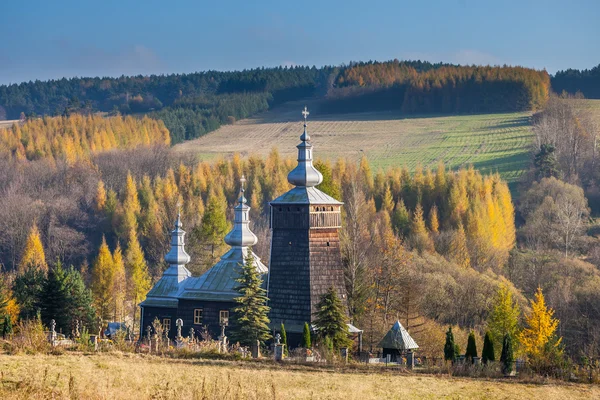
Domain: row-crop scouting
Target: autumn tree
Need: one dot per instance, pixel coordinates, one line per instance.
(136, 273)
(420, 238)
(458, 251)
(504, 316)
(33, 254)
(102, 284)
(538, 338)
(119, 288)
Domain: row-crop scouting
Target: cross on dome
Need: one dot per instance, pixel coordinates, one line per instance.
(305, 113)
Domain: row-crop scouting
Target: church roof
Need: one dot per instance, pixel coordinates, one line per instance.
(398, 338)
(219, 282)
(305, 195)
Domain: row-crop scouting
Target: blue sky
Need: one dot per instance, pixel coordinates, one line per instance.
(42, 39)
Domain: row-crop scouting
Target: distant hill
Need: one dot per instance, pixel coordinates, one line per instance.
(193, 104)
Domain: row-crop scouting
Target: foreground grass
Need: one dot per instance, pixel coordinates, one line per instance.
(126, 376)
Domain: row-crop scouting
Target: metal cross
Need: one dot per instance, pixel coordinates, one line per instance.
(243, 181)
(305, 113)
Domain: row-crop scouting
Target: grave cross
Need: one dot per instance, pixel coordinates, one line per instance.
(192, 333)
(148, 332)
(278, 338)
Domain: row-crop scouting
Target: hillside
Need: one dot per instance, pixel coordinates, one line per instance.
(488, 141)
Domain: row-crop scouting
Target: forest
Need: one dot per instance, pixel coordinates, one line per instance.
(191, 105)
(572, 81)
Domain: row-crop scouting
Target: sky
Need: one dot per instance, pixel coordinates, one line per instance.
(42, 39)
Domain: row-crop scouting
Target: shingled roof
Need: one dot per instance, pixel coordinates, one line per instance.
(398, 338)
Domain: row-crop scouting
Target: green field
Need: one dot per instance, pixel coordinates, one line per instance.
(490, 142)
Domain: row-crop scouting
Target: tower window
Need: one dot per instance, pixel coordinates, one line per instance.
(327, 244)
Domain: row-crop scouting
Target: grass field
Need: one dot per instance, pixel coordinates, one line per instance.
(128, 376)
(491, 142)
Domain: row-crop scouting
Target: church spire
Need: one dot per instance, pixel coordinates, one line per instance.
(177, 258)
(305, 174)
(241, 235)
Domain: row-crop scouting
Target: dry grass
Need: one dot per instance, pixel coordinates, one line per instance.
(126, 376)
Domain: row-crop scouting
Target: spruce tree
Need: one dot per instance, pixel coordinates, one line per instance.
(284, 339)
(471, 352)
(7, 329)
(26, 291)
(330, 321)
(251, 321)
(306, 341)
(488, 349)
(80, 300)
(54, 299)
(545, 162)
(507, 356)
(450, 346)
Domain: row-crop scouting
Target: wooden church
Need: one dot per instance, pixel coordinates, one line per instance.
(305, 261)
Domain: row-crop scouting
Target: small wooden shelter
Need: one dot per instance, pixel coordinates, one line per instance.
(397, 342)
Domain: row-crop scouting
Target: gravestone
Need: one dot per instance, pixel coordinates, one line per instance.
(256, 349)
(344, 354)
(53, 332)
(179, 339)
(278, 353)
(410, 359)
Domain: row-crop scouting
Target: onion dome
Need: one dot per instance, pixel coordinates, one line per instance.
(305, 174)
(241, 235)
(177, 255)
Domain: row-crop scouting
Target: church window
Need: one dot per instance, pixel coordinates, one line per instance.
(224, 317)
(327, 244)
(198, 316)
(167, 324)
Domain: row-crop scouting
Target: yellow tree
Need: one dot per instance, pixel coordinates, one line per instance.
(434, 222)
(119, 288)
(539, 336)
(103, 281)
(504, 317)
(130, 211)
(419, 236)
(33, 255)
(100, 200)
(137, 272)
(458, 251)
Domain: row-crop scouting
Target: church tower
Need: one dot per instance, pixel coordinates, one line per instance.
(305, 247)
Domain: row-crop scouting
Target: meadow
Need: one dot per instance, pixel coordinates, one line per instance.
(491, 142)
(126, 376)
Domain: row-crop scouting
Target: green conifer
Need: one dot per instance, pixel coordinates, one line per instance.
(284, 339)
(6, 327)
(251, 314)
(488, 349)
(330, 319)
(507, 356)
(450, 346)
(306, 341)
(471, 352)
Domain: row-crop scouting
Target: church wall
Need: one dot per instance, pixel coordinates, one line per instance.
(325, 265)
(150, 313)
(210, 315)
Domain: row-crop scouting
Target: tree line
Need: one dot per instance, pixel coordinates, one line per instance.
(572, 81)
(440, 88)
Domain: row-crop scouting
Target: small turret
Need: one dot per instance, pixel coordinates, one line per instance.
(241, 235)
(305, 174)
(177, 258)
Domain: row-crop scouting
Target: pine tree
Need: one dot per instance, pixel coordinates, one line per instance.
(103, 281)
(450, 346)
(306, 340)
(33, 255)
(136, 272)
(80, 300)
(507, 358)
(504, 316)
(488, 349)
(251, 313)
(538, 337)
(545, 162)
(284, 339)
(471, 351)
(330, 319)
